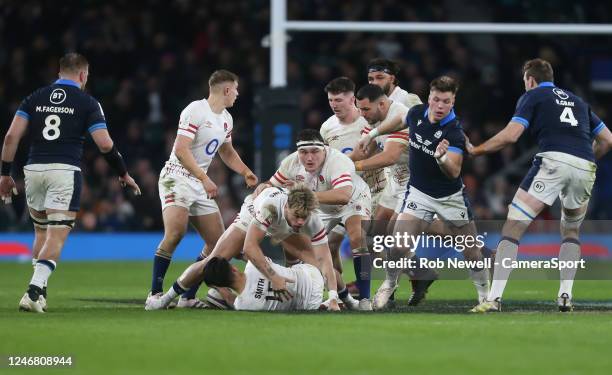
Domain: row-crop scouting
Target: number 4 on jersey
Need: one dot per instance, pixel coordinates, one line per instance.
(568, 116)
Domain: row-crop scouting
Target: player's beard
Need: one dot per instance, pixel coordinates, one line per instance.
(387, 89)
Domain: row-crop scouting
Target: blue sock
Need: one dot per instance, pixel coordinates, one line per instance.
(486, 252)
(160, 266)
(191, 292)
(363, 270)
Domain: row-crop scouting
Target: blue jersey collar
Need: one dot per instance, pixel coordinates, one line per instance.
(68, 82)
(546, 84)
(450, 117)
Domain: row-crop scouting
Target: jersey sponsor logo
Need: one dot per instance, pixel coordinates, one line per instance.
(560, 93)
(538, 186)
(438, 134)
(419, 122)
(299, 178)
(57, 96)
(420, 140)
(211, 147)
(347, 150)
(411, 205)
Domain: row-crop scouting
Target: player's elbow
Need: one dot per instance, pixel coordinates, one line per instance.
(344, 197)
(105, 146)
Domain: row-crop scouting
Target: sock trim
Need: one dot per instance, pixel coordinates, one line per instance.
(571, 240)
(49, 263)
(509, 239)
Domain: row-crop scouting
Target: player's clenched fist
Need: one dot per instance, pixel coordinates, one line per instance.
(210, 187)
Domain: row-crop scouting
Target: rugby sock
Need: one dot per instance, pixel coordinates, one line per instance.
(172, 293)
(570, 251)
(506, 249)
(480, 278)
(343, 294)
(191, 293)
(161, 262)
(362, 263)
(42, 271)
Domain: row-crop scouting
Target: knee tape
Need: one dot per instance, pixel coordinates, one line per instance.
(39, 223)
(519, 210)
(59, 219)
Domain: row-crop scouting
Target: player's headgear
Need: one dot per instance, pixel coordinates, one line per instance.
(383, 65)
(218, 272)
(310, 138)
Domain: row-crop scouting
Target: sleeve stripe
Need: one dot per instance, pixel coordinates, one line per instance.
(23, 114)
(454, 149)
(521, 121)
(190, 131)
(341, 176)
(193, 126)
(598, 128)
(229, 135)
(319, 236)
(347, 179)
(280, 177)
(98, 126)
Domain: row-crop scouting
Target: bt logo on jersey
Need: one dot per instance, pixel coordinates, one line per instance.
(57, 96)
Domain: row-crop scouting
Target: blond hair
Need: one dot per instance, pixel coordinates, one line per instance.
(302, 201)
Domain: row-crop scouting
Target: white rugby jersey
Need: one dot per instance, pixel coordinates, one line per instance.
(268, 211)
(344, 137)
(399, 171)
(337, 171)
(208, 130)
(404, 97)
(259, 296)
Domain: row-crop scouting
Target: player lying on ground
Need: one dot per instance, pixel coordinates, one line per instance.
(570, 138)
(287, 216)
(435, 186)
(255, 292)
(58, 117)
(185, 190)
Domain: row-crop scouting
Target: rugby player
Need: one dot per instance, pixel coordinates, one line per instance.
(570, 138)
(185, 190)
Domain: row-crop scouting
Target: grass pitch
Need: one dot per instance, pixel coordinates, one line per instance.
(96, 316)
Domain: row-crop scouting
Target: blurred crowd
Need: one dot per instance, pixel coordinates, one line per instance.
(149, 59)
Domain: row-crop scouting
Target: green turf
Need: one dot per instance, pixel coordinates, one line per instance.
(96, 316)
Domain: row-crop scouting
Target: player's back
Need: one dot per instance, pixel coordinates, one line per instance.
(58, 116)
(559, 120)
(258, 294)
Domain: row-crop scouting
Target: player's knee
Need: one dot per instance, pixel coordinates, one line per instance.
(570, 224)
(174, 236)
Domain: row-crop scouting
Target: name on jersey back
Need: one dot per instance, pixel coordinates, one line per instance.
(47, 109)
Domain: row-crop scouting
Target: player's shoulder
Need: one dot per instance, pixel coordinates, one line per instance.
(329, 124)
(417, 110)
(337, 159)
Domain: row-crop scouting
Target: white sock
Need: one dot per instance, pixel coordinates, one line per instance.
(34, 260)
(570, 251)
(506, 249)
(171, 294)
(481, 282)
(42, 271)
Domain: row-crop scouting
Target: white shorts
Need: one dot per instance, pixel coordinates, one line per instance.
(177, 187)
(53, 186)
(393, 194)
(310, 285)
(454, 208)
(341, 230)
(557, 174)
(360, 205)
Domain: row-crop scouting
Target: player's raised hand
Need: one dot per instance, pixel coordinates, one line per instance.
(7, 189)
(364, 142)
(251, 179)
(127, 180)
(279, 286)
(441, 149)
(209, 187)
